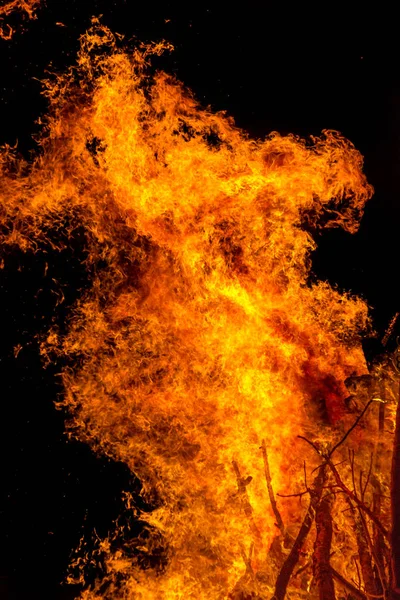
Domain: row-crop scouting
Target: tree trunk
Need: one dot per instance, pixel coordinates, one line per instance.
(322, 550)
(291, 561)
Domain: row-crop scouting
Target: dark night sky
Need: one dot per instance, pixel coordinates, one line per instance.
(272, 67)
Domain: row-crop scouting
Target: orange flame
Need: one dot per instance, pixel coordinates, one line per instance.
(15, 6)
(200, 335)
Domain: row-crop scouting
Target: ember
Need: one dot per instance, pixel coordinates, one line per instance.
(27, 7)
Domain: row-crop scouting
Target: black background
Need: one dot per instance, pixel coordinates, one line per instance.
(272, 67)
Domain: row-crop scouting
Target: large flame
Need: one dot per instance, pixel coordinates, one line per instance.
(201, 334)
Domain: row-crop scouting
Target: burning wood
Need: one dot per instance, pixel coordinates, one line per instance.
(322, 551)
(291, 561)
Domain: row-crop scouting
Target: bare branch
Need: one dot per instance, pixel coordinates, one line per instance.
(353, 496)
(356, 422)
(291, 561)
(355, 499)
(317, 450)
(358, 571)
(298, 495)
(271, 495)
(244, 498)
(390, 328)
(301, 570)
(358, 594)
(374, 585)
(364, 551)
(322, 548)
(336, 465)
(352, 470)
(364, 489)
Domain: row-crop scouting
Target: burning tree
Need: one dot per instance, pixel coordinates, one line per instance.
(201, 355)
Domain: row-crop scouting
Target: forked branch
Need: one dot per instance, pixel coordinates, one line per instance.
(293, 557)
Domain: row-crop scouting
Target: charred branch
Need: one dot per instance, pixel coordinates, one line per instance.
(242, 483)
(279, 521)
(322, 549)
(293, 557)
(372, 574)
(355, 592)
(390, 329)
(356, 422)
(352, 495)
(372, 585)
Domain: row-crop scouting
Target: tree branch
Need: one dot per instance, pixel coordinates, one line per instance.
(244, 498)
(356, 422)
(353, 495)
(293, 557)
(357, 500)
(358, 594)
(279, 521)
(322, 550)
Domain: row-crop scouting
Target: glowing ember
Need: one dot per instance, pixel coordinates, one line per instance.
(7, 8)
(201, 352)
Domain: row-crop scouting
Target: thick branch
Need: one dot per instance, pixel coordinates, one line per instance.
(244, 498)
(322, 550)
(279, 521)
(356, 422)
(364, 543)
(352, 495)
(372, 586)
(291, 561)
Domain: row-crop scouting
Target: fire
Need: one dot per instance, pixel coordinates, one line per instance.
(27, 7)
(201, 346)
